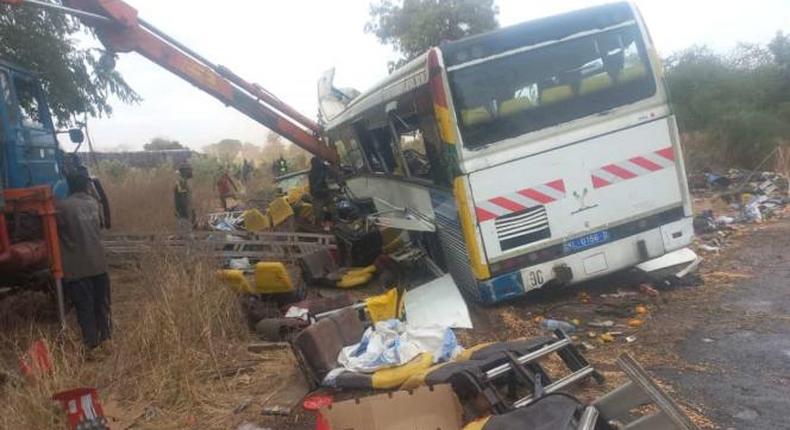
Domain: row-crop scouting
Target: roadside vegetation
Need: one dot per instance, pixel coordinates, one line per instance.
(733, 108)
(176, 333)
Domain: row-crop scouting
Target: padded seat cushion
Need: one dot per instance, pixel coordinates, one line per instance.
(320, 344)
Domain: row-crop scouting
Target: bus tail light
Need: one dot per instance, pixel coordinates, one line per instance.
(441, 107)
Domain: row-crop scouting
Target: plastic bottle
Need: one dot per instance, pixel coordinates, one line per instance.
(551, 325)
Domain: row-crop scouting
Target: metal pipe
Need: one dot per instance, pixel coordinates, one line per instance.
(61, 302)
(588, 419)
(526, 358)
(71, 11)
(559, 385)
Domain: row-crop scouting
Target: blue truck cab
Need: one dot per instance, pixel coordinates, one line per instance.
(29, 151)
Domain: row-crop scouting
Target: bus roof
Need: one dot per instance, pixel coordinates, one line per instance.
(540, 30)
(383, 91)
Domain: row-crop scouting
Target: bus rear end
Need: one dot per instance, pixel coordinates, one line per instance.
(570, 153)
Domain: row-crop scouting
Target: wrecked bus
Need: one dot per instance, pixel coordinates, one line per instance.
(539, 154)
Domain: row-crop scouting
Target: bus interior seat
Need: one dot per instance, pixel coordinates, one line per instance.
(595, 83)
(556, 94)
(475, 116)
(516, 105)
(632, 73)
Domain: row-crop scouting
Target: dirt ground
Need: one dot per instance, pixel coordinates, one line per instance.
(718, 344)
(743, 338)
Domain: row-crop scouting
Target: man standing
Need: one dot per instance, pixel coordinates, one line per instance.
(85, 279)
(185, 212)
(227, 188)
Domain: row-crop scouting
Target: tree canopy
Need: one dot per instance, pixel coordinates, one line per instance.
(77, 80)
(226, 150)
(413, 26)
(162, 144)
(739, 100)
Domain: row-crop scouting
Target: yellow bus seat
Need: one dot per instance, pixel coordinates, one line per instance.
(555, 94)
(632, 73)
(280, 210)
(394, 377)
(271, 278)
(475, 116)
(254, 220)
(595, 83)
(236, 280)
(514, 106)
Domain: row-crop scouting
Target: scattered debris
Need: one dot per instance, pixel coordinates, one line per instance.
(83, 409)
(606, 338)
(37, 361)
(587, 346)
(258, 348)
(601, 324)
(288, 396)
(630, 339)
(619, 295)
(551, 325)
(635, 322)
(251, 426)
(648, 290)
(242, 406)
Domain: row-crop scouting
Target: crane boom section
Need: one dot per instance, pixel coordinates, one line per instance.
(121, 30)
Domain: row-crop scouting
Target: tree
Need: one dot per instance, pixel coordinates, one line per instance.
(162, 144)
(226, 150)
(77, 81)
(738, 100)
(413, 26)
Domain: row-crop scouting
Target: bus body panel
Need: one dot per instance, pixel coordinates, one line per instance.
(589, 264)
(582, 187)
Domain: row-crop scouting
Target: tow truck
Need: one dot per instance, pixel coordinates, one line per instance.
(34, 166)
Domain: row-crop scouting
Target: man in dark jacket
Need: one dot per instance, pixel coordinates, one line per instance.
(85, 279)
(182, 194)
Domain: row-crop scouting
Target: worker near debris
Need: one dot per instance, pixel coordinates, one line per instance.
(226, 188)
(185, 211)
(318, 179)
(85, 279)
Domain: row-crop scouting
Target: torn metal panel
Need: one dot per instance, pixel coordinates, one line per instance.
(437, 303)
(678, 263)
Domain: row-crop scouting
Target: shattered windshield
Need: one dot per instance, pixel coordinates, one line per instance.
(537, 88)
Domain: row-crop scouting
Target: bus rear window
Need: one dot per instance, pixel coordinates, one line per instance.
(516, 94)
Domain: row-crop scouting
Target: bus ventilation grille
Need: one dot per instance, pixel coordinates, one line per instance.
(522, 227)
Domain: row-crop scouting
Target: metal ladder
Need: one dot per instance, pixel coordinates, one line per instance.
(525, 370)
(270, 246)
(640, 390)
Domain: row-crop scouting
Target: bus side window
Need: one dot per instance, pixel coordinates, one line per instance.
(350, 153)
(383, 143)
(369, 148)
(417, 143)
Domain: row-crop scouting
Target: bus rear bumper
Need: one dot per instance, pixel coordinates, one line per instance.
(589, 264)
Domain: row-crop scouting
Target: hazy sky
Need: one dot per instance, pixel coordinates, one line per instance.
(285, 46)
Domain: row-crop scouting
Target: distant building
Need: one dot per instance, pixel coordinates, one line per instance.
(145, 159)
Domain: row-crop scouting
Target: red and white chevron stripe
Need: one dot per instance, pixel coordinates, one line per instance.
(633, 167)
(518, 201)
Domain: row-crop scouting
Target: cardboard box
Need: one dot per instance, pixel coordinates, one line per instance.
(426, 408)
